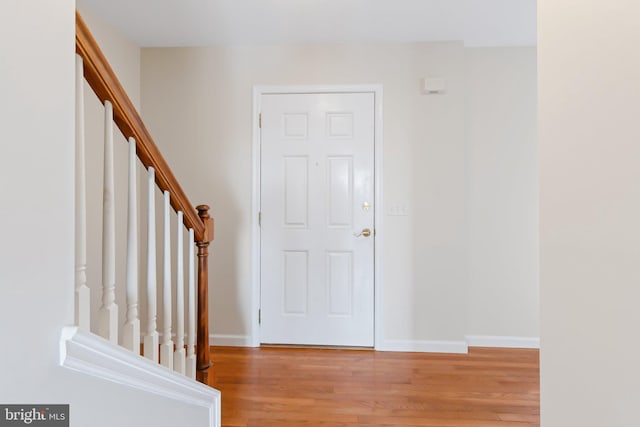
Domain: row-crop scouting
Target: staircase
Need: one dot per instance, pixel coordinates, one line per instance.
(165, 357)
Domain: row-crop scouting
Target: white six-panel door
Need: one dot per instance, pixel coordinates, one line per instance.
(317, 197)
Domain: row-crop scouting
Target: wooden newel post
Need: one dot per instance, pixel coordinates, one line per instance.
(202, 357)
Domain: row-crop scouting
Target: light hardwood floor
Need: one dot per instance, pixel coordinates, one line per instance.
(320, 387)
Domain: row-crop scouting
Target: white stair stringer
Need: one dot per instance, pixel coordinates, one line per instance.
(93, 355)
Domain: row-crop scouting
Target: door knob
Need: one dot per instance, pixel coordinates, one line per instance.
(365, 232)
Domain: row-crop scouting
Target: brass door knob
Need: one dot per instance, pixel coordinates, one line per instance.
(365, 232)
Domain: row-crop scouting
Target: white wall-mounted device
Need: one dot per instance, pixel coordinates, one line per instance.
(433, 85)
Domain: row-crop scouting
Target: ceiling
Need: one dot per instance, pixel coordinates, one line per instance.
(209, 22)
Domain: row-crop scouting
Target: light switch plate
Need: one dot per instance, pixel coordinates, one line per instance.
(398, 210)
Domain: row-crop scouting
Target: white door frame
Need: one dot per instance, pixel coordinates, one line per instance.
(258, 91)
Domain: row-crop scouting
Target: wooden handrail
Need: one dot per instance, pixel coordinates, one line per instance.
(107, 87)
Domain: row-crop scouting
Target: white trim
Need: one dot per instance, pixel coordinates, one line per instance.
(223, 340)
(93, 355)
(258, 91)
(378, 223)
(459, 347)
(255, 227)
(502, 341)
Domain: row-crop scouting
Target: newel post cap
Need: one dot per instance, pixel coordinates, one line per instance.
(203, 213)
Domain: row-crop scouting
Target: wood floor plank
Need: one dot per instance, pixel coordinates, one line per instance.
(333, 387)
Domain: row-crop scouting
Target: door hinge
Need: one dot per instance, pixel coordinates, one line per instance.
(260, 120)
(259, 316)
(259, 218)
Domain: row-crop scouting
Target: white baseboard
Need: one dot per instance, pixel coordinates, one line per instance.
(410, 345)
(230, 340)
(459, 347)
(502, 341)
(93, 355)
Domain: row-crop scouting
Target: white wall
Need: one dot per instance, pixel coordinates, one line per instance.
(197, 102)
(589, 105)
(502, 179)
(36, 172)
(36, 248)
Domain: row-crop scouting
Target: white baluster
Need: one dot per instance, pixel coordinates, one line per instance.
(131, 331)
(108, 315)
(179, 354)
(82, 297)
(191, 311)
(151, 337)
(166, 349)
